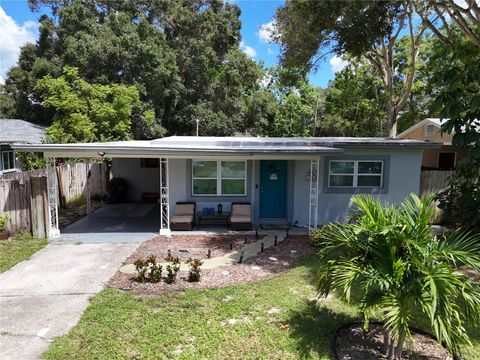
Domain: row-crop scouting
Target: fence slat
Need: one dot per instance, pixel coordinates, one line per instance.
(433, 181)
(21, 199)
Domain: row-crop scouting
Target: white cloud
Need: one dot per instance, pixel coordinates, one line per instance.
(265, 34)
(12, 37)
(338, 64)
(248, 50)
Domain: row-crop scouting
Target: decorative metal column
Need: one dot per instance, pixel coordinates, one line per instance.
(89, 199)
(313, 206)
(52, 192)
(164, 203)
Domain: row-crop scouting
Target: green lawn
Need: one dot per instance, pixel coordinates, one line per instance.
(17, 249)
(195, 324)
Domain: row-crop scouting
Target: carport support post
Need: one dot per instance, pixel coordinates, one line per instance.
(313, 203)
(89, 200)
(164, 202)
(52, 191)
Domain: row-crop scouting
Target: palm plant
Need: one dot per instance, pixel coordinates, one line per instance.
(391, 259)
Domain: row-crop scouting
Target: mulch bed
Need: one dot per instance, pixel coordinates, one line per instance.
(353, 343)
(288, 253)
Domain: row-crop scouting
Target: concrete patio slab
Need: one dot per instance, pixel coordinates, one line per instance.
(114, 223)
(45, 296)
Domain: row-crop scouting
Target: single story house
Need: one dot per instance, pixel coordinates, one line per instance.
(16, 131)
(444, 157)
(303, 181)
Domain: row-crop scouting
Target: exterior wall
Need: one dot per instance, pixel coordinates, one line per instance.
(419, 134)
(139, 179)
(403, 178)
(430, 156)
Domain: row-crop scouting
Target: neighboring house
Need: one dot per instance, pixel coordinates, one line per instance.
(443, 158)
(16, 131)
(305, 181)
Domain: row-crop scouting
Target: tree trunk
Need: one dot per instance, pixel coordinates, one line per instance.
(399, 348)
(391, 130)
(386, 342)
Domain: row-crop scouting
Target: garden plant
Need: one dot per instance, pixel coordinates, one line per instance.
(389, 261)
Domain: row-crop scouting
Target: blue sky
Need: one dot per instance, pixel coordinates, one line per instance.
(18, 25)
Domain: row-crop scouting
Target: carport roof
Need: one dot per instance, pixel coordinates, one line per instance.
(192, 146)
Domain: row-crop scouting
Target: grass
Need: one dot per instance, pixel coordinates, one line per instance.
(17, 249)
(234, 322)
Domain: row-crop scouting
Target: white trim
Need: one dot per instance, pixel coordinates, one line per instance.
(164, 198)
(52, 193)
(431, 121)
(313, 195)
(356, 174)
(10, 169)
(219, 178)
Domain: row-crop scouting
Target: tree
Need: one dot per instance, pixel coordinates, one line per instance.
(399, 268)
(456, 86)
(309, 29)
(444, 16)
(182, 56)
(87, 112)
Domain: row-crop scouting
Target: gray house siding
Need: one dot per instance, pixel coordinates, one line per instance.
(401, 177)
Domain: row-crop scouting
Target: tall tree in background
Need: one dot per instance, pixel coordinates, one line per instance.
(309, 29)
(183, 57)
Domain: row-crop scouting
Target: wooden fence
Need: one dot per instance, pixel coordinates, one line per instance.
(23, 195)
(433, 181)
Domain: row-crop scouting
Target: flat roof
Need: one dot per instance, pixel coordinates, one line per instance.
(193, 146)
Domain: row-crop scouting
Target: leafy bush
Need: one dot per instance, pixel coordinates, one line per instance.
(3, 222)
(172, 269)
(398, 267)
(195, 270)
(148, 269)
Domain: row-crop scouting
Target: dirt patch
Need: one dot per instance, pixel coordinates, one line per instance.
(353, 343)
(274, 260)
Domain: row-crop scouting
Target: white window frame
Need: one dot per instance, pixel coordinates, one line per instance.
(13, 167)
(219, 178)
(355, 174)
(429, 126)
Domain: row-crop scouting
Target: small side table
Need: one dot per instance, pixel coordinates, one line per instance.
(222, 218)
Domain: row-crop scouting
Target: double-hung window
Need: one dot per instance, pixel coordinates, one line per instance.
(8, 160)
(218, 178)
(355, 174)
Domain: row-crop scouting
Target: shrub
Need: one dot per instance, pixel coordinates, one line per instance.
(194, 272)
(3, 222)
(148, 269)
(396, 265)
(172, 269)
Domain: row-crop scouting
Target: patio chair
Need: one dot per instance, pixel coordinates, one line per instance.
(184, 217)
(241, 216)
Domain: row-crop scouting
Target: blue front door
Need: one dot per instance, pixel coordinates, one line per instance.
(273, 189)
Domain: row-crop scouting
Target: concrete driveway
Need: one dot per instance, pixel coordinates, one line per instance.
(45, 296)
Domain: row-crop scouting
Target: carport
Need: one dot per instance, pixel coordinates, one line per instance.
(114, 223)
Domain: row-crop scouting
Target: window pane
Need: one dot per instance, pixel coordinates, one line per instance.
(341, 167)
(370, 167)
(233, 187)
(233, 169)
(370, 181)
(341, 180)
(204, 187)
(204, 168)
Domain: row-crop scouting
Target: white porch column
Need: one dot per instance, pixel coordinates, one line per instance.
(89, 199)
(164, 202)
(52, 192)
(313, 203)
